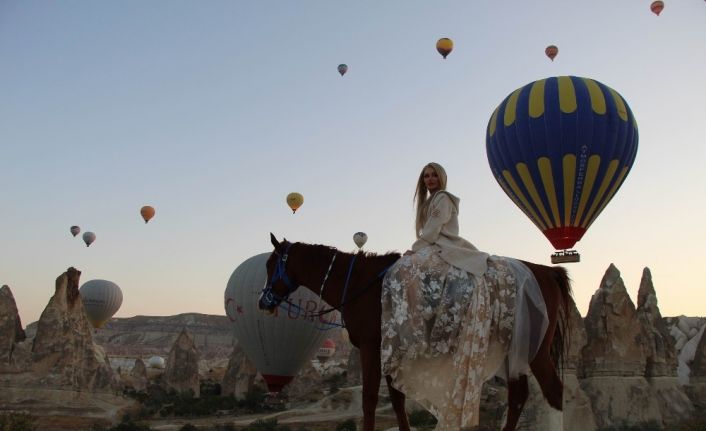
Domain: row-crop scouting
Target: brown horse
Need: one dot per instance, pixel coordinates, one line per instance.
(355, 290)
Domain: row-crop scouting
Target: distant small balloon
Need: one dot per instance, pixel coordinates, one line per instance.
(551, 51)
(75, 230)
(656, 7)
(342, 69)
(147, 213)
(295, 200)
(88, 238)
(360, 238)
(444, 46)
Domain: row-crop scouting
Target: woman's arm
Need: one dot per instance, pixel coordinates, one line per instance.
(440, 213)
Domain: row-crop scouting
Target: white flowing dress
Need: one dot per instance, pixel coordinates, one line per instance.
(446, 331)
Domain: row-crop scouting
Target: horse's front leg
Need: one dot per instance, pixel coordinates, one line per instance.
(397, 399)
(370, 365)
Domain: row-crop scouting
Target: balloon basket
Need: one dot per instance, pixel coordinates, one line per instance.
(276, 400)
(566, 256)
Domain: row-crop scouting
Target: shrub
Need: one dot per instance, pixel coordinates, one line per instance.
(262, 425)
(422, 418)
(129, 426)
(348, 425)
(17, 422)
(644, 426)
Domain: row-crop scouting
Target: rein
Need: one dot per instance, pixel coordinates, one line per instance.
(280, 273)
(351, 299)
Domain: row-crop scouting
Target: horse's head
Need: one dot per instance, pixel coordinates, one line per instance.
(279, 284)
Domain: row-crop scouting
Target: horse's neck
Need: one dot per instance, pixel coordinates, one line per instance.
(316, 261)
(323, 274)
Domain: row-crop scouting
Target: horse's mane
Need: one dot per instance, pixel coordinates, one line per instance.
(320, 248)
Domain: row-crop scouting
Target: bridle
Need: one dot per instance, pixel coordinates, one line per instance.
(272, 299)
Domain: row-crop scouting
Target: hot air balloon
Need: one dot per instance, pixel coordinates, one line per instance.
(360, 238)
(88, 238)
(656, 7)
(101, 299)
(327, 349)
(560, 148)
(147, 213)
(444, 46)
(75, 230)
(551, 51)
(278, 344)
(342, 69)
(295, 200)
(156, 362)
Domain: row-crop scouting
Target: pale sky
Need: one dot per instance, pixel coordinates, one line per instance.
(213, 111)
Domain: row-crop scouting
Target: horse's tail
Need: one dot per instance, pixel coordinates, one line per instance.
(562, 336)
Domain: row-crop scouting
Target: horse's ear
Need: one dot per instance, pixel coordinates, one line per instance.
(273, 240)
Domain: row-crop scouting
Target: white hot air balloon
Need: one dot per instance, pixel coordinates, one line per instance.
(88, 238)
(101, 299)
(278, 344)
(156, 362)
(360, 238)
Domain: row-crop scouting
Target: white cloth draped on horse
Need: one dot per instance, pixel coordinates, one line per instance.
(445, 332)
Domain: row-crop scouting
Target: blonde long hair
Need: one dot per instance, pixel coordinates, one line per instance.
(421, 194)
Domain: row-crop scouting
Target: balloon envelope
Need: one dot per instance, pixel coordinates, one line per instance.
(147, 212)
(156, 362)
(88, 238)
(280, 343)
(360, 238)
(295, 200)
(444, 46)
(75, 230)
(101, 300)
(551, 51)
(656, 7)
(342, 69)
(560, 148)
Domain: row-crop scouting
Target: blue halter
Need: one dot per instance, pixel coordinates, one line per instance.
(269, 297)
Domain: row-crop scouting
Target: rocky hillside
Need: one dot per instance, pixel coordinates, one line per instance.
(144, 336)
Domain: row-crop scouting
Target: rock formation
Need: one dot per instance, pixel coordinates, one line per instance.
(613, 358)
(11, 331)
(240, 374)
(688, 332)
(614, 334)
(145, 336)
(660, 355)
(181, 372)
(577, 405)
(629, 359)
(138, 375)
(63, 351)
(697, 380)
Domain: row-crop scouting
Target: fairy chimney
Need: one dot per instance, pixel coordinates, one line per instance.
(181, 372)
(11, 331)
(660, 354)
(614, 334)
(138, 375)
(63, 351)
(240, 374)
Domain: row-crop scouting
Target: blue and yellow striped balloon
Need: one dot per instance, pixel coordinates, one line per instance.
(560, 148)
